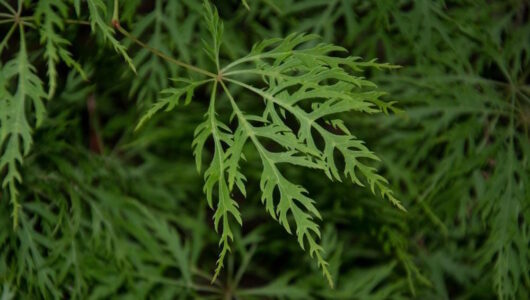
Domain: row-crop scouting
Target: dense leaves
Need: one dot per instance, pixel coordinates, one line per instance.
(312, 75)
(101, 197)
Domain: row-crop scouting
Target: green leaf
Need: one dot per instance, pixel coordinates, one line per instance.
(299, 77)
(49, 14)
(7, 293)
(172, 97)
(97, 22)
(310, 84)
(169, 28)
(215, 28)
(215, 174)
(15, 129)
(296, 75)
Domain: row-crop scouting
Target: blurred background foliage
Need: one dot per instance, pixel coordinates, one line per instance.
(108, 213)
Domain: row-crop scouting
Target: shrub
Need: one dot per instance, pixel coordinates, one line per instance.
(287, 160)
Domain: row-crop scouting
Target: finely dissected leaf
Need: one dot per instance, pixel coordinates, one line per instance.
(215, 174)
(50, 14)
(172, 97)
(97, 22)
(168, 28)
(215, 28)
(297, 76)
(31, 244)
(15, 129)
(311, 85)
(270, 124)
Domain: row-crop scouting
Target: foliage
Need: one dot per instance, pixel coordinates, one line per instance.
(104, 103)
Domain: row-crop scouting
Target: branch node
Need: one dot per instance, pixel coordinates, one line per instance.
(115, 24)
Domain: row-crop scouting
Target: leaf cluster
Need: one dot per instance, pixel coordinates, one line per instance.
(172, 149)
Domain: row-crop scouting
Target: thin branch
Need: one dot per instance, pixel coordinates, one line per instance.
(115, 14)
(68, 21)
(205, 276)
(79, 22)
(8, 6)
(7, 21)
(3, 44)
(163, 55)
